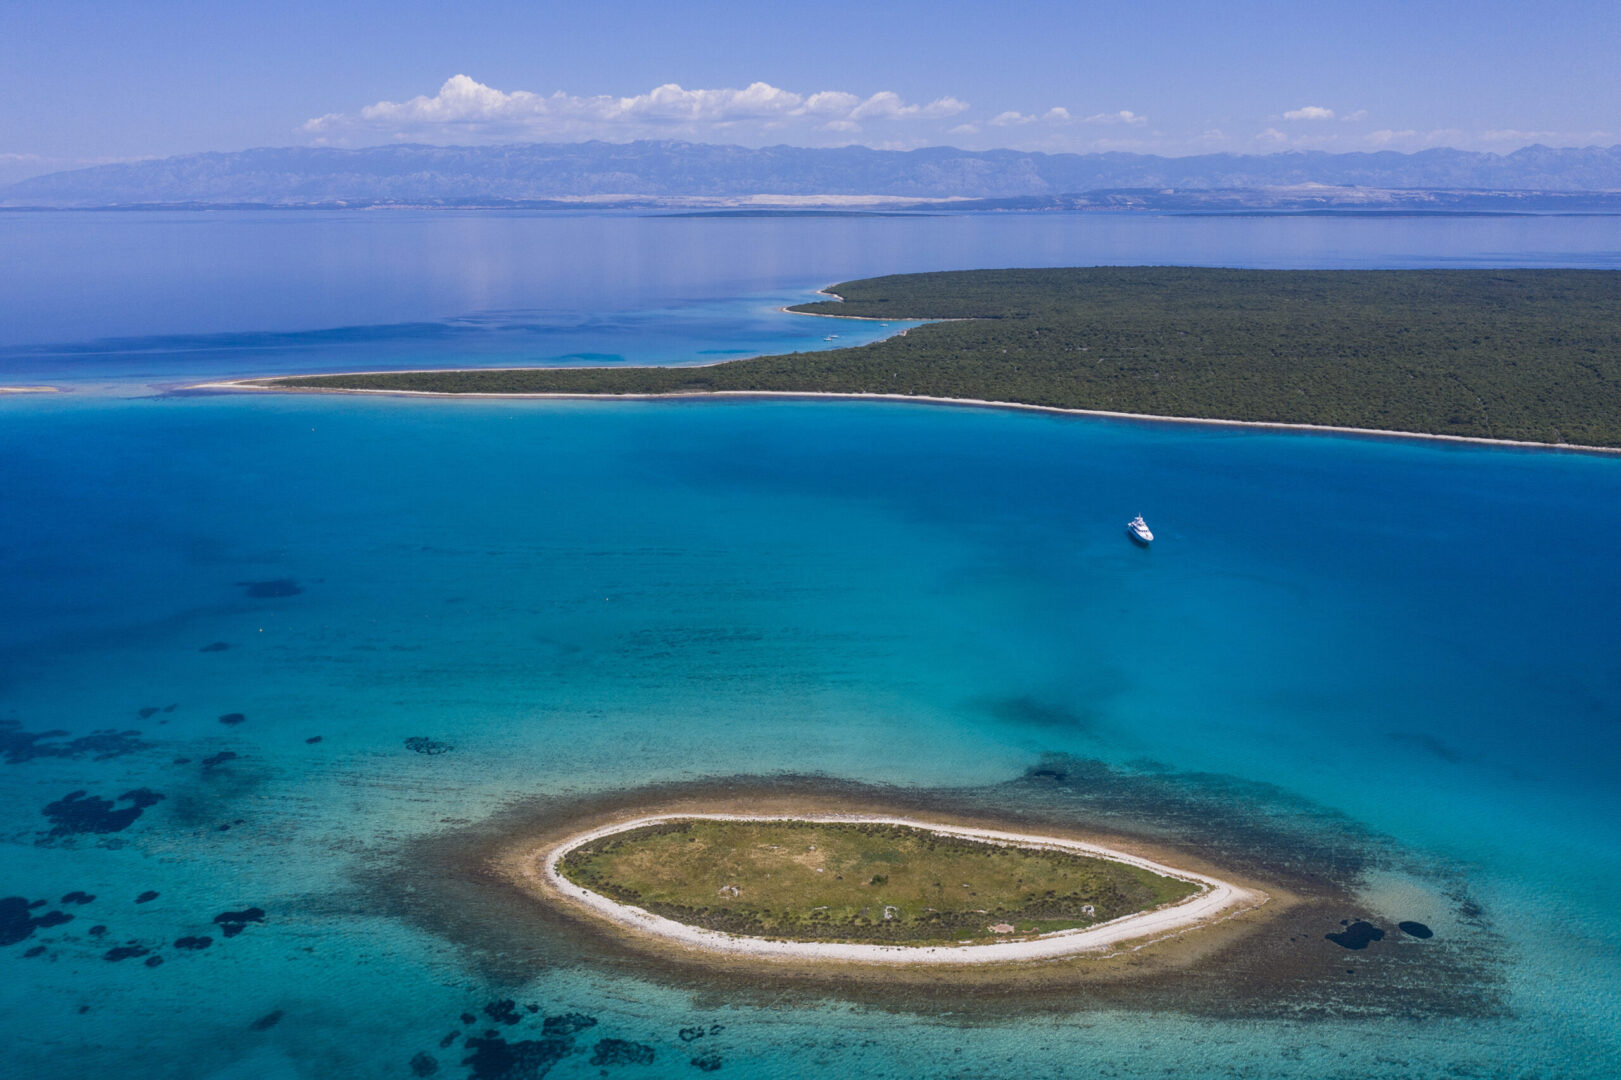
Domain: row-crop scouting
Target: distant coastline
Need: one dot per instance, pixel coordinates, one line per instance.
(916, 399)
(669, 174)
(1504, 358)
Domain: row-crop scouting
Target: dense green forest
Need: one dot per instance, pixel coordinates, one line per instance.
(1500, 354)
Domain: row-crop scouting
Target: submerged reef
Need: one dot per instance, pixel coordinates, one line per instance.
(267, 1021)
(1276, 961)
(232, 923)
(18, 923)
(621, 1052)
(266, 590)
(80, 812)
(1356, 935)
(126, 952)
(18, 746)
(529, 1054)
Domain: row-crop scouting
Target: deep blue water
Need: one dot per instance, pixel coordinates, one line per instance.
(580, 597)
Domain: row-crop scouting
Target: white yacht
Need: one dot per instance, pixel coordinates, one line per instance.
(1139, 530)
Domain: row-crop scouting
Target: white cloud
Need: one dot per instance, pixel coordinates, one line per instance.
(462, 100)
(1447, 137)
(888, 104)
(1135, 145)
(1517, 138)
(1013, 118)
(831, 102)
(1407, 140)
(946, 106)
(16, 166)
(465, 110)
(1124, 116)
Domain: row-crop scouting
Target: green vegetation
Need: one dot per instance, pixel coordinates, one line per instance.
(1498, 354)
(815, 881)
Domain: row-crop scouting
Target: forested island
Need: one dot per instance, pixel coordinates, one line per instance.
(1528, 355)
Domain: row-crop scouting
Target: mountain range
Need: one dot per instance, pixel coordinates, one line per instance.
(681, 173)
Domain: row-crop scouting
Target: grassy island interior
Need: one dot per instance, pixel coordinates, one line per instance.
(879, 883)
(1531, 355)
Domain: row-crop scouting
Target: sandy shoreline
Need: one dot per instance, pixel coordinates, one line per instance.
(1215, 901)
(787, 310)
(479, 885)
(238, 385)
(974, 403)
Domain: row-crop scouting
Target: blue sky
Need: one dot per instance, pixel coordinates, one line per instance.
(84, 82)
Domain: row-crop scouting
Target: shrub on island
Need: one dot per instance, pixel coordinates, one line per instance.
(879, 883)
(1531, 354)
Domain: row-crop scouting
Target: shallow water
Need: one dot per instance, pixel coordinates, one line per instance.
(1371, 645)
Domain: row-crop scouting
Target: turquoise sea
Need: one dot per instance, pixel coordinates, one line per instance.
(269, 658)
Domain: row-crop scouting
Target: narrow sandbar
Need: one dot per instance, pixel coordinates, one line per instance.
(260, 384)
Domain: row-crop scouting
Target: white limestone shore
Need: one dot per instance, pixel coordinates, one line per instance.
(1215, 900)
(257, 384)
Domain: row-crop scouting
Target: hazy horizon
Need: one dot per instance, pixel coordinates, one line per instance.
(673, 172)
(17, 167)
(94, 84)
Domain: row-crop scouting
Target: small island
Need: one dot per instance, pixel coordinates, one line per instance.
(867, 881)
(873, 889)
(1528, 356)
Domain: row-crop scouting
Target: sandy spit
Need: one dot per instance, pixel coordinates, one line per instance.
(1215, 901)
(976, 403)
(921, 399)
